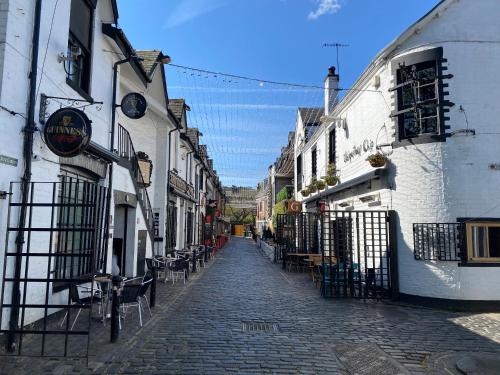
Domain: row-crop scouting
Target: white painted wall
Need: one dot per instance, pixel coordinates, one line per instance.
(436, 182)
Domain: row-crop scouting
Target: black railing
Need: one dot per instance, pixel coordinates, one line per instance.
(437, 241)
(126, 151)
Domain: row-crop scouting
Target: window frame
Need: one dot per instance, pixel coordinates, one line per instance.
(85, 93)
(314, 162)
(332, 146)
(421, 57)
(469, 245)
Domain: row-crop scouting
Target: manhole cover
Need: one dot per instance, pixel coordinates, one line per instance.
(368, 359)
(256, 326)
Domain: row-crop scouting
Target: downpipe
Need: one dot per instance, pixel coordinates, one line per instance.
(29, 130)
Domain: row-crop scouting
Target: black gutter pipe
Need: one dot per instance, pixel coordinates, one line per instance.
(111, 149)
(29, 130)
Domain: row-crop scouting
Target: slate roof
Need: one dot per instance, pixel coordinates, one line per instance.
(176, 106)
(194, 136)
(150, 60)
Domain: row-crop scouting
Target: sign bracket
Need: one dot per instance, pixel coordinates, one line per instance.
(67, 102)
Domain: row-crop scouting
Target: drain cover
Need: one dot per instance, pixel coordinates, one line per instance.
(368, 359)
(256, 326)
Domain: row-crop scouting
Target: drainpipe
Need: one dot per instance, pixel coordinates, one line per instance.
(29, 130)
(111, 148)
(168, 178)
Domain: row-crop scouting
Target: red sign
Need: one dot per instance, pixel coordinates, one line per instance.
(217, 213)
(208, 219)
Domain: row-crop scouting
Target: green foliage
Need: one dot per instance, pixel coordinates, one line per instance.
(320, 185)
(282, 194)
(331, 170)
(279, 208)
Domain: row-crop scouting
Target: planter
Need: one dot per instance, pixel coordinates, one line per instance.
(305, 192)
(331, 180)
(320, 185)
(377, 160)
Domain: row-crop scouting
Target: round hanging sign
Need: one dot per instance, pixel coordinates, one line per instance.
(67, 132)
(134, 105)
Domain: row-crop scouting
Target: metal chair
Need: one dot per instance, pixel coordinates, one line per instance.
(132, 294)
(85, 302)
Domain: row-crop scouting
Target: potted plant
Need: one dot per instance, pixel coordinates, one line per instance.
(312, 186)
(377, 160)
(331, 170)
(331, 180)
(305, 192)
(320, 184)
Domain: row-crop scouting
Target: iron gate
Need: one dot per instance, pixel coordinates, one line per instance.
(297, 233)
(358, 253)
(63, 238)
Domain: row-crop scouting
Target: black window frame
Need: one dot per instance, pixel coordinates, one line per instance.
(84, 83)
(430, 56)
(299, 172)
(314, 162)
(331, 146)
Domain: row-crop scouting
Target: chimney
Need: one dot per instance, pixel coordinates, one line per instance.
(331, 93)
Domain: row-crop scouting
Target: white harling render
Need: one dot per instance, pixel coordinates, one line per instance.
(443, 168)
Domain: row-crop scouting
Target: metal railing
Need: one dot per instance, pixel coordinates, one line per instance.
(126, 151)
(437, 241)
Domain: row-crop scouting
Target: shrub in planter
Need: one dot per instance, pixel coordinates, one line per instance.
(305, 192)
(377, 160)
(331, 180)
(331, 169)
(320, 184)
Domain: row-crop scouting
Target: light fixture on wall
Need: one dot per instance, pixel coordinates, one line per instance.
(345, 204)
(73, 55)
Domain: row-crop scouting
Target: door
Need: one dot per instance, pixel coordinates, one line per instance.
(141, 251)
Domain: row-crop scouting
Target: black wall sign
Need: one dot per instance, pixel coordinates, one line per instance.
(67, 132)
(134, 105)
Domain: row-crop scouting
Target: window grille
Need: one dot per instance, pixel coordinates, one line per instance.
(437, 241)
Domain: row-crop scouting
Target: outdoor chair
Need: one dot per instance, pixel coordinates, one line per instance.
(179, 267)
(84, 302)
(132, 294)
(161, 267)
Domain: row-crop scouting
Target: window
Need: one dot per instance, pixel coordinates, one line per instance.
(201, 179)
(299, 172)
(419, 93)
(483, 241)
(80, 42)
(331, 149)
(171, 228)
(314, 160)
(189, 227)
(74, 219)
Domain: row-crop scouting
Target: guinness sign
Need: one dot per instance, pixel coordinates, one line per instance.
(134, 105)
(67, 132)
(294, 207)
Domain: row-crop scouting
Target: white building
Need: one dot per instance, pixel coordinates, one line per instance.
(443, 162)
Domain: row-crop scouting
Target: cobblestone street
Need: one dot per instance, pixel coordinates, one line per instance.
(199, 328)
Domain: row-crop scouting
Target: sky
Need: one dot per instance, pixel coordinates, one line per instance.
(245, 123)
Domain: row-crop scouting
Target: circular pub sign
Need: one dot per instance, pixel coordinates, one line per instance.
(134, 105)
(67, 132)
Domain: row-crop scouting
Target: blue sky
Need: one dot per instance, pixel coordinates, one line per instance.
(278, 40)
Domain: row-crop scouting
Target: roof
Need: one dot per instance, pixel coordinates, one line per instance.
(311, 116)
(176, 106)
(150, 59)
(194, 136)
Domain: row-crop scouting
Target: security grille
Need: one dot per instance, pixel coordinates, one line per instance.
(437, 241)
(63, 241)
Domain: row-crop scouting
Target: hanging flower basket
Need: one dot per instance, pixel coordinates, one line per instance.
(331, 180)
(377, 160)
(320, 185)
(305, 192)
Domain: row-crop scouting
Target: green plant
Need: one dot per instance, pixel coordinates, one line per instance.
(320, 185)
(331, 169)
(377, 160)
(305, 192)
(331, 180)
(283, 194)
(279, 208)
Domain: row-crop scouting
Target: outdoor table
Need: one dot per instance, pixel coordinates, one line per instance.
(105, 281)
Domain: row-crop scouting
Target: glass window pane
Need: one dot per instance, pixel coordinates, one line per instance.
(478, 242)
(80, 20)
(494, 241)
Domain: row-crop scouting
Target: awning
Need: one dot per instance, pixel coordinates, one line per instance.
(372, 175)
